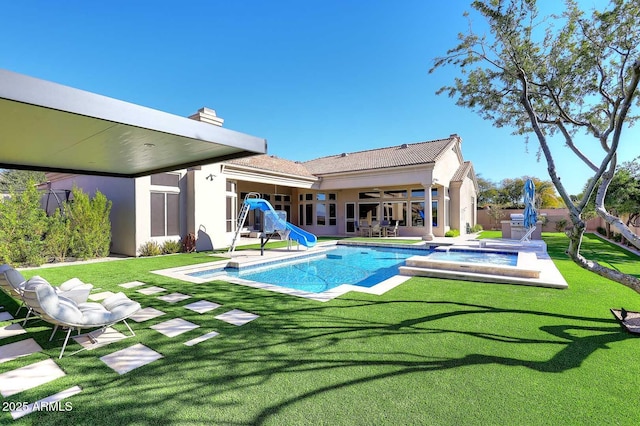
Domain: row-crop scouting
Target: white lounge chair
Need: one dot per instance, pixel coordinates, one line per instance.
(41, 297)
(13, 282)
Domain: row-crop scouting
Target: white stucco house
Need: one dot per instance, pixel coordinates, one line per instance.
(426, 187)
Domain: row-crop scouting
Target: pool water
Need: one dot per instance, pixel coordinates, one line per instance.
(364, 266)
(494, 258)
(361, 266)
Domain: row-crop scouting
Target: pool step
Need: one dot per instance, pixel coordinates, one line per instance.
(526, 266)
(477, 277)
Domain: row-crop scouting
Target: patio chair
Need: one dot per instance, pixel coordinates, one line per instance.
(13, 282)
(58, 310)
(364, 230)
(376, 229)
(393, 232)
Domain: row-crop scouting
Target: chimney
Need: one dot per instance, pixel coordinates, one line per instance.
(207, 115)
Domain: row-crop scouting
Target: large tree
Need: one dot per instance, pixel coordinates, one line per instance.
(557, 77)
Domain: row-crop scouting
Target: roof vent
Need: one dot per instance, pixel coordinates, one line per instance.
(344, 154)
(404, 145)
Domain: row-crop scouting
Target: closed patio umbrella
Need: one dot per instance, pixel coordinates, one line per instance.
(530, 214)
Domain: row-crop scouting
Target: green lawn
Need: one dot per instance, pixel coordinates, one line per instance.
(436, 352)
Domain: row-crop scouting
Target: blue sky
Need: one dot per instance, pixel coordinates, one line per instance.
(314, 78)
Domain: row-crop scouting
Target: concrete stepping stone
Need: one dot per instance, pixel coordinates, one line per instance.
(237, 317)
(202, 306)
(151, 290)
(11, 330)
(202, 338)
(101, 296)
(99, 338)
(5, 316)
(15, 350)
(28, 377)
(174, 297)
(146, 314)
(50, 402)
(174, 327)
(130, 358)
(133, 284)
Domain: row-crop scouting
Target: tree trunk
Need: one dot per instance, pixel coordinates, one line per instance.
(575, 239)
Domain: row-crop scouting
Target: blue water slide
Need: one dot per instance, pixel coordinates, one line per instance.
(303, 237)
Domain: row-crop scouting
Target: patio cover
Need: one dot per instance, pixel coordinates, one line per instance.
(50, 127)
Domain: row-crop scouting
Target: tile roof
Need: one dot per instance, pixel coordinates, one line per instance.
(462, 172)
(395, 156)
(273, 164)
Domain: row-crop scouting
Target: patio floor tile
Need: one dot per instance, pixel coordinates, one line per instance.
(152, 290)
(202, 306)
(174, 327)
(101, 295)
(146, 314)
(130, 358)
(11, 330)
(30, 376)
(174, 297)
(5, 316)
(99, 338)
(41, 404)
(132, 284)
(202, 338)
(237, 317)
(15, 350)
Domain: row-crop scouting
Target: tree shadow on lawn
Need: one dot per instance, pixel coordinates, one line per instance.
(324, 340)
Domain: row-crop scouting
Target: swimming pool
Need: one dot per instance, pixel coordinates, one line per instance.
(363, 266)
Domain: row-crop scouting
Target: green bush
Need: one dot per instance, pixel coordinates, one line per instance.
(452, 233)
(601, 230)
(90, 225)
(22, 225)
(476, 228)
(560, 225)
(150, 248)
(171, 246)
(57, 241)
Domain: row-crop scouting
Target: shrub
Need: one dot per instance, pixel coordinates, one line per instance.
(452, 233)
(476, 228)
(560, 225)
(171, 246)
(617, 237)
(57, 241)
(150, 248)
(601, 230)
(90, 225)
(22, 225)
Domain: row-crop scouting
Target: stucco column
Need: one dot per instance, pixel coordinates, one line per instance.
(428, 217)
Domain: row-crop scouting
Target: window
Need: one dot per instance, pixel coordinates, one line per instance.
(231, 206)
(165, 214)
(417, 193)
(308, 214)
(395, 211)
(325, 213)
(350, 217)
(321, 214)
(368, 195)
(395, 193)
(417, 213)
(368, 212)
(332, 214)
(434, 213)
(166, 179)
